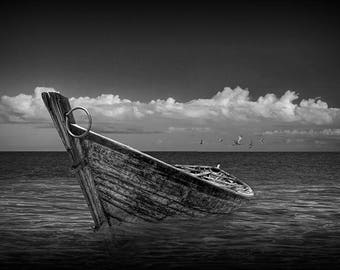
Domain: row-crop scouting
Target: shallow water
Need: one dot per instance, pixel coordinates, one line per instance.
(293, 222)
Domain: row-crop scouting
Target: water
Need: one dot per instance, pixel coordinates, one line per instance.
(293, 222)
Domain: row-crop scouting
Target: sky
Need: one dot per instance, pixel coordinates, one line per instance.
(163, 77)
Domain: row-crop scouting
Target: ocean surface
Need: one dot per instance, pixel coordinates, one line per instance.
(292, 223)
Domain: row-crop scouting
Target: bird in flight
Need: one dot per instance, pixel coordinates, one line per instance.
(261, 140)
(201, 142)
(238, 141)
(220, 139)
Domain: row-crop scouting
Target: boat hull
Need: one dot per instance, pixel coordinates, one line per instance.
(122, 184)
(134, 187)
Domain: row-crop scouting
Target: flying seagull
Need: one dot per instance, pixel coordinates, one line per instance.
(238, 141)
(220, 139)
(201, 142)
(261, 140)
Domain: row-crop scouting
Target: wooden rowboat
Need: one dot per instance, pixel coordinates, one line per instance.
(122, 184)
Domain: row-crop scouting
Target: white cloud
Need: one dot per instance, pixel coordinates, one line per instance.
(227, 105)
(24, 108)
(188, 129)
(310, 132)
(319, 142)
(299, 140)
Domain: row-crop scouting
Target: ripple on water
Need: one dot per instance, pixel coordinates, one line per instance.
(294, 219)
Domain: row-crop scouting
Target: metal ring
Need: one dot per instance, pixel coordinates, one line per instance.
(88, 127)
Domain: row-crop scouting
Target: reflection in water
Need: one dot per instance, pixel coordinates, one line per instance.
(292, 223)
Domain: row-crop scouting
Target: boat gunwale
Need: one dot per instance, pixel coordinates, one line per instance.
(95, 136)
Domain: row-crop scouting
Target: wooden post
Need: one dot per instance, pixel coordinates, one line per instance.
(58, 106)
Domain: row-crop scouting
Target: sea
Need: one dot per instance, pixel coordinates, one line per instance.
(293, 222)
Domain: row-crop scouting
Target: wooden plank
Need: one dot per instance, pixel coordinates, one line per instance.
(58, 106)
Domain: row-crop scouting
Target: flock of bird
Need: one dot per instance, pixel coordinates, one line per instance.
(238, 141)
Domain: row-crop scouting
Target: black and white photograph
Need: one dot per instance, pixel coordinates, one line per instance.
(169, 135)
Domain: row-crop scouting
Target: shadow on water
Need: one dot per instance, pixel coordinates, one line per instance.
(293, 223)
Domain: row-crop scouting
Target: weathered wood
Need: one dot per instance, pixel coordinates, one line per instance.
(140, 187)
(122, 184)
(58, 106)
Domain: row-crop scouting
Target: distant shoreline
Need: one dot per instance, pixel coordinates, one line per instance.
(191, 151)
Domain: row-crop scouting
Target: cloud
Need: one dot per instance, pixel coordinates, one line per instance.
(299, 140)
(227, 106)
(24, 108)
(188, 129)
(319, 142)
(132, 130)
(310, 132)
